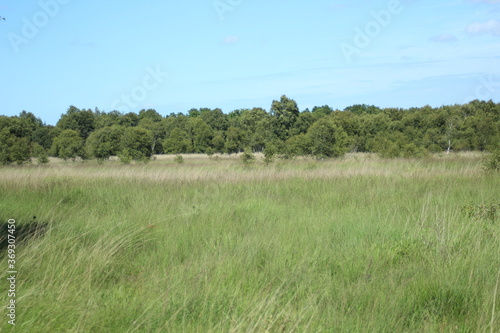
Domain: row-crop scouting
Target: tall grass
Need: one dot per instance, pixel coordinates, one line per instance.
(359, 244)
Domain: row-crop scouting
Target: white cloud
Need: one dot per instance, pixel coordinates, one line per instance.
(443, 38)
(490, 27)
(231, 39)
(486, 1)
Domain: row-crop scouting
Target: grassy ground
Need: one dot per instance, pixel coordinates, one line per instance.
(359, 244)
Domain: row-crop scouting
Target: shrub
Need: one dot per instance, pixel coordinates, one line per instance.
(137, 144)
(179, 159)
(269, 153)
(40, 153)
(247, 157)
(492, 161)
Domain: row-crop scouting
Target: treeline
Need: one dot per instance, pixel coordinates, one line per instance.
(282, 131)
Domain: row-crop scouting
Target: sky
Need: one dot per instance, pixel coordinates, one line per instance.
(174, 55)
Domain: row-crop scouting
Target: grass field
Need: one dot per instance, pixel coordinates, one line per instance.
(359, 244)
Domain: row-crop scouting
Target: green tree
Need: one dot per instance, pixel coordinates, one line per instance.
(40, 153)
(297, 145)
(82, 121)
(103, 119)
(6, 142)
(215, 118)
(234, 139)
(21, 150)
(136, 144)
(130, 119)
(394, 145)
(105, 142)
(158, 131)
(151, 114)
(286, 112)
(13, 149)
(200, 134)
(68, 145)
(218, 142)
(327, 139)
(177, 142)
(359, 109)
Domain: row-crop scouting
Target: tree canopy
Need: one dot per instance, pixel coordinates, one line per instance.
(284, 131)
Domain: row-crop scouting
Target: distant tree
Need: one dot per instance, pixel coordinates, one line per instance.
(68, 145)
(136, 144)
(21, 151)
(303, 122)
(6, 141)
(322, 111)
(298, 145)
(363, 108)
(218, 142)
(394, 145)
(327, 139)
(234, 139)
(200, 134)
(286, 112)
(177, 142)
(103, 119)
(13, 148)
(30, 124)
(256, 126)
(39, 153)
(215, 118)
(151, 114)
(193, 113)
(130, 119)
(105, 142)
(82, 121)
(158, 131)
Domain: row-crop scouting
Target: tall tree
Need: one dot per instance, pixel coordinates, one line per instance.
(327, 139)
(82, 121)
(68, 145)
(286, 113)
(136, 144)
(105, 142)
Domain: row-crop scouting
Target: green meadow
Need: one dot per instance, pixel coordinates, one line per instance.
(356, 244)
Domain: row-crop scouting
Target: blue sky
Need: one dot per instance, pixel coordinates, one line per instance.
(176, 55)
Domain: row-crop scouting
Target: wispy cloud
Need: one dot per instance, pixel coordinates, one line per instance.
(231, 39)
(443, 38)
(490, 27)
(486, 1)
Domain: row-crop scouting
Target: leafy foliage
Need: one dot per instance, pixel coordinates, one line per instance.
(68, 145)
(282, 131)
(136, 144)
(492, 162)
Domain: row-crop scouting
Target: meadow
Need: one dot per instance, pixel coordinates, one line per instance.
(356, 244)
